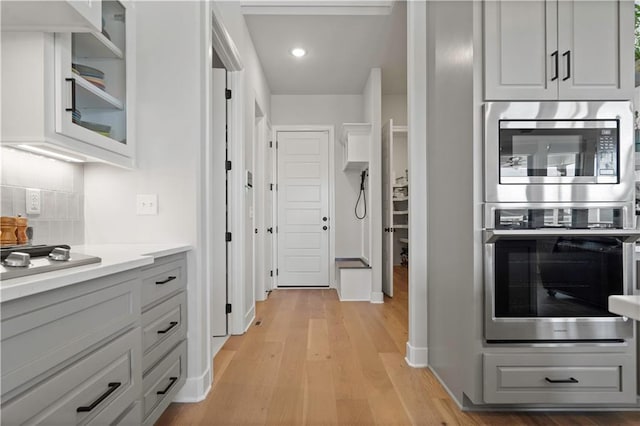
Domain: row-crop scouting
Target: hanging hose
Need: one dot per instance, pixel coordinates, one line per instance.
(362, 194)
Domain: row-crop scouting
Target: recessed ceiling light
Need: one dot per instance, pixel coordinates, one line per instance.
(298, 52)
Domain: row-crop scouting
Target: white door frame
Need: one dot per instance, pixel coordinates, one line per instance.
(230, 56)
(332, 183)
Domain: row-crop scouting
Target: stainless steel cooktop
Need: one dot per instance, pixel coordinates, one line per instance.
(20, 261)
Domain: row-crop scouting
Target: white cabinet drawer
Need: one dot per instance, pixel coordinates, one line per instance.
(163, 326)
(558, 378)
(47, 330)
(96, 389)
(132, 416)
(161, 280)
(162, 383)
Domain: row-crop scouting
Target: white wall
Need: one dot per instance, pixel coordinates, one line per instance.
(372, 240)
(170, 140)
(330, 110)
(394, 107)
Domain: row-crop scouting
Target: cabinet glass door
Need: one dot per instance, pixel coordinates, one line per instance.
(93, 101)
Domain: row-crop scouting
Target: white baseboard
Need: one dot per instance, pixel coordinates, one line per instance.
(249, 317)
(195, 389)
(217, 343)
(417, 357)
(377, 297)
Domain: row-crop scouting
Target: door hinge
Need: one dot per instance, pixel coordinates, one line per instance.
(270, 144)
(228, 308)
(270, 273)
(277, 271)
(270, 187)
(228, 165)
(228, 236)
(276, 144)
(227, 93)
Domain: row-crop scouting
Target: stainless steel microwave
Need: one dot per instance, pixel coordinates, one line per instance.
(559, 152)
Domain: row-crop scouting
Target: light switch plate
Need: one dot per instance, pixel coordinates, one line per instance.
(33, 201)
(147, 204)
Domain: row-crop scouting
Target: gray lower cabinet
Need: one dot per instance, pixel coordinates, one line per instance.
(109, 351)
(164, 331)
(559, 378)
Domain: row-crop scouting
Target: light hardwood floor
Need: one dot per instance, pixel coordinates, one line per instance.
(311, 360)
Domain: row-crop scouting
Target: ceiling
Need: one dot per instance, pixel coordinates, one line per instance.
(342, 47)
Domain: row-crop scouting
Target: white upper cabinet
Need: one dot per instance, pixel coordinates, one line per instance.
(51, 16)
(73, 92)
(566, 50)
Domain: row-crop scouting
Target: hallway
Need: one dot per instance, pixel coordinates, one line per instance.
(311, 360)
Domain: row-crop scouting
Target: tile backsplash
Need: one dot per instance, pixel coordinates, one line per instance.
(61, 185)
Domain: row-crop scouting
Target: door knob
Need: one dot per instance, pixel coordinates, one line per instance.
(324, 228)
(324, 219)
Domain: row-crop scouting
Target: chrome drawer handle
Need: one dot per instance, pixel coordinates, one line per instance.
(569, 380)
(166, 330)
(166, 281)
(172, 380)
(112, 388)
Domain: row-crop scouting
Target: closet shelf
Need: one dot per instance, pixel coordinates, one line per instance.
(400, 226)
(401, 199)
(404, 240)
(95, 45)
(401, 212)
(90, 96)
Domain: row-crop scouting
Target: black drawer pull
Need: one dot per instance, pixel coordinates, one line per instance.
(73, 94)
(166, 330)
(569, 380)
(166, 281)
(172, 380)
(112, 388)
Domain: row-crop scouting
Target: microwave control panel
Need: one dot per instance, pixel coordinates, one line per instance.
(607, 153)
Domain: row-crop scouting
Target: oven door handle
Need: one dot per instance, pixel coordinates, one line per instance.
(493, 235)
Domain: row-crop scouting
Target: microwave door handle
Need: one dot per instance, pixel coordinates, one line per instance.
(493, 235)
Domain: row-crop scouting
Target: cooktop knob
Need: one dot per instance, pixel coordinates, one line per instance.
(60, 254)
(17, 259)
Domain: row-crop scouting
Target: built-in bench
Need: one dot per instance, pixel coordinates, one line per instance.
(353, 279)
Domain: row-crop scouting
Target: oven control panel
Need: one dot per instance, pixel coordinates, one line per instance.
(607, 153)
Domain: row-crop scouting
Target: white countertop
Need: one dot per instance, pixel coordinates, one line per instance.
(628, 306)
(115, 258)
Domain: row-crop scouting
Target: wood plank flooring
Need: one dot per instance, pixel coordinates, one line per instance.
(313, 360)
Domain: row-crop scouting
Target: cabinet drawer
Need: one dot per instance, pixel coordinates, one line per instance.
(46, 330)
(163, 326)
(162, 383)
(96, 389)
(160, 280)
(558, 378)
(132, 416)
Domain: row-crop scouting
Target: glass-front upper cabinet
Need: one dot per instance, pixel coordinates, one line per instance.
(95, 80)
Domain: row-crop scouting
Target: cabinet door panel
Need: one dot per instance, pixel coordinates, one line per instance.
(518, 50)
(592, 36)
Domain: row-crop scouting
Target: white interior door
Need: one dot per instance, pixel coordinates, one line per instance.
(218, 206)
(269, 191)
(303, 208)
(387, 208)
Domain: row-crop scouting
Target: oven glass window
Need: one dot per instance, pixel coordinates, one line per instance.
(557, 277)
(559, 153)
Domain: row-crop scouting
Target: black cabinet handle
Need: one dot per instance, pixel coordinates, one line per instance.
(172, 380)
(567, 54)
(112, 388)
(73, 94)
(569, 380)
(166, 330)
(165, 281)
(554, 55)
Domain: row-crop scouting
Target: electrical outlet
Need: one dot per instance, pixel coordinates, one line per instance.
(147, 204)
(33, 201)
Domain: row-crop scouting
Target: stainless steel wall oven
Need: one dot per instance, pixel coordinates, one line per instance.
(559, 223)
